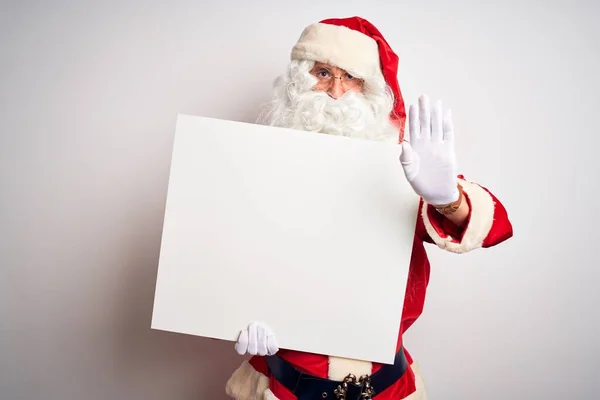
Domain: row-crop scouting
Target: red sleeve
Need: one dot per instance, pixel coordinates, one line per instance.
(488, 223)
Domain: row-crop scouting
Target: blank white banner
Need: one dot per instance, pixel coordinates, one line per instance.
(309, 233)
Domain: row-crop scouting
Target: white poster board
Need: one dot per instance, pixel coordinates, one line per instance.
(309, 233)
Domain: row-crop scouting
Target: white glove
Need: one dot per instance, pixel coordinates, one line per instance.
(257, 339)
(429, 161)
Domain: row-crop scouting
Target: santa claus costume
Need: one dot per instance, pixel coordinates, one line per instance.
(355, 45)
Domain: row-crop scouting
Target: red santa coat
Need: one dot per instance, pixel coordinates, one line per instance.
(488, 225)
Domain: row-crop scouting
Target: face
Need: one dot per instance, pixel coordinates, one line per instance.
(317, 97)
(335, 81)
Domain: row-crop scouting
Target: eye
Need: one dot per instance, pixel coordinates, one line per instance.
(323, 73)
(349, 77)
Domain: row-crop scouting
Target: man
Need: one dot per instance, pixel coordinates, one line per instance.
(342, 80)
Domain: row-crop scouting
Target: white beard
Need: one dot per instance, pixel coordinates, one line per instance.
(356, 115)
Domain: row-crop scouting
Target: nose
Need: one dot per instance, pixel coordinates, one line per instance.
(336, 90)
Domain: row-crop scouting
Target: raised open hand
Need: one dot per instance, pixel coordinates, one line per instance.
(429, 160)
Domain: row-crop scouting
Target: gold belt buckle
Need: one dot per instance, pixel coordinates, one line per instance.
(365, 381)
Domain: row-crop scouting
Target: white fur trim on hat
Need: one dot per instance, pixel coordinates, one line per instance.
(342, 47)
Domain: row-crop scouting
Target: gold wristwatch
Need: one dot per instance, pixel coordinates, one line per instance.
(451, 208)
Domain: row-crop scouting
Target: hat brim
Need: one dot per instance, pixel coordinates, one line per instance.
(342, 47)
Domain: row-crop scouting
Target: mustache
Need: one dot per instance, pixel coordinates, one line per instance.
(319, 112)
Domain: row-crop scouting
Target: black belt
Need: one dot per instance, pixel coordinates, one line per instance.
(309, 387)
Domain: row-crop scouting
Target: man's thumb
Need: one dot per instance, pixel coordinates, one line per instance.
(410, 161)
(407, 154)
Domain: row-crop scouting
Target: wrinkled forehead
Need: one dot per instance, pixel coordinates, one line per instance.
(319, 65)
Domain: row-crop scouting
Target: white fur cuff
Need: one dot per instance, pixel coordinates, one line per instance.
(480, 223)
(246, 383)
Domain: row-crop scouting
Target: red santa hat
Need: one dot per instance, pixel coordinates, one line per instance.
(356, 46)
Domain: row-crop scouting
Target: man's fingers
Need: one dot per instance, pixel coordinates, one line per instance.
(272, 346)
(437, 133)
(424, 117)
(256, 339)
(261, 342)
(241, 345)
(253, 339)
(413, 124)
(448, 127)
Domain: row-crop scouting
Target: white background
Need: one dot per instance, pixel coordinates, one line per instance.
(89, 92)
